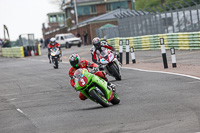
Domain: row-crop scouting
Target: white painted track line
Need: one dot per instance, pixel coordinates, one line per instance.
(178, 74)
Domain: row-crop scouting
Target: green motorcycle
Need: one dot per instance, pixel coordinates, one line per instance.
(95, 88)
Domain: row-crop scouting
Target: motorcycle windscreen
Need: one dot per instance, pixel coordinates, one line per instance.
(80, 78)
(111, 57)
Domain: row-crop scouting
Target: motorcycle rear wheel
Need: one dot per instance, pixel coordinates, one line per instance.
(98, 98)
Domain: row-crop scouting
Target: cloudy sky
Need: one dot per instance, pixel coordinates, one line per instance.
(24, 16)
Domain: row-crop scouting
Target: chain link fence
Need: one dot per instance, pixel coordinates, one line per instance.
(109, 32)
(184, 20)
(138, 23)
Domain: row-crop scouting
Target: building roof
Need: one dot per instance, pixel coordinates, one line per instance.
(86, 1)
(107, 26)
(106, 16)
(99, 1)
(89, 2)
(54, 13)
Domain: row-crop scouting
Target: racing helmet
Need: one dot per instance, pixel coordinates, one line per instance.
(74, 60)
(52, 41)
(96, 42)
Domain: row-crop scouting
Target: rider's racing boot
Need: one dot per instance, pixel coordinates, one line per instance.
(112, 86)
(60, 57)
(101, 68)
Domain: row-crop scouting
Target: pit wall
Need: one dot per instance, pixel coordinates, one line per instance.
(182, 41)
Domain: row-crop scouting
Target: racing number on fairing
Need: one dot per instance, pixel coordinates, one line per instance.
(83, 81)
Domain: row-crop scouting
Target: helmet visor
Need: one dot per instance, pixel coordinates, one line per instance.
(98, 45)
(75, 62)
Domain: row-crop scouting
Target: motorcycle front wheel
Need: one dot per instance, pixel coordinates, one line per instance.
(99, 98)
(56, 63)
(115, 72)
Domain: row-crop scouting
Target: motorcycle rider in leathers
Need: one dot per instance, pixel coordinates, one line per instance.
(77, 63)
(98, 47)
(52, 44)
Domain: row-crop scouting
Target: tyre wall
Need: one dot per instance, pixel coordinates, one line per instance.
(20, 52)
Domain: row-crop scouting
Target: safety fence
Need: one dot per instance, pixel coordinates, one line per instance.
(172, 18)
(21, 52)
(109, 32)
(190, 40)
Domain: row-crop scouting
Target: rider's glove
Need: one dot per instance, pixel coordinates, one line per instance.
(72, 77)
(95, 69)
(103, 43)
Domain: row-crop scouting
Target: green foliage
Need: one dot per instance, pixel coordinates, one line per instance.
(146, 4)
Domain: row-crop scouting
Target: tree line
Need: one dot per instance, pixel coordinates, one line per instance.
(160, 4)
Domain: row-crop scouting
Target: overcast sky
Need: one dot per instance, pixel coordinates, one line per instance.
(24, 16)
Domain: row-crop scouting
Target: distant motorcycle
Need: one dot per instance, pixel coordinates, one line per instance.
(94, 88)
(55, 57)
(110, 64)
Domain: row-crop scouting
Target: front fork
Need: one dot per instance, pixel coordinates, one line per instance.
(118, 64)
(51, 58)
(53, 61)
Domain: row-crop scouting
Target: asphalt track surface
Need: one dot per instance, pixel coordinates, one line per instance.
(35, 98)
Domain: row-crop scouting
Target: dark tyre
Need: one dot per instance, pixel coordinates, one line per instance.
(79, 45)
(66, 45)
(115, 71)
(115, 99)
(56, 64)
(99, 98)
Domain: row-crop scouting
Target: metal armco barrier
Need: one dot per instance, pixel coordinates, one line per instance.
(163, 51)
(180, 41)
